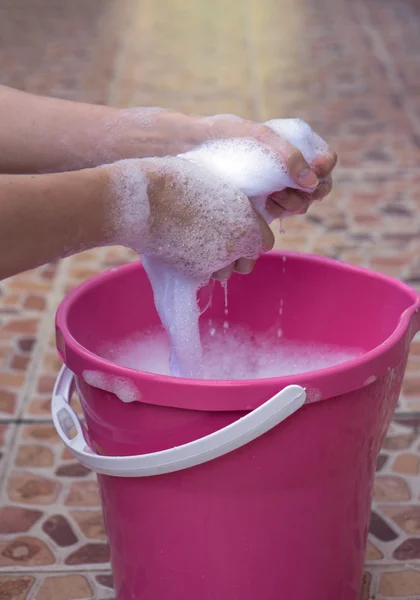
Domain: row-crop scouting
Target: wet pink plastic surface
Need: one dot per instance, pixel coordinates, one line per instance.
(286, 516)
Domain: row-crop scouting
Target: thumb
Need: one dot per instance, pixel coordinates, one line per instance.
(266, 234)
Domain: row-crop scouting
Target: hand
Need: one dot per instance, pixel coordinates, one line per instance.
(314, 172)
(168, 132)
(178, 211)
(160, 132)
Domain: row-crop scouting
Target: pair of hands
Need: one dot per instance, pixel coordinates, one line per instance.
(191, 212)
(61, 160)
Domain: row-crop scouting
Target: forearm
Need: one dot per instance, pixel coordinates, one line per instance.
(43, 135)
(46, 217)
(47, 135)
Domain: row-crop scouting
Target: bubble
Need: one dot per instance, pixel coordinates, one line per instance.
(245, 164)
(229, 354)
(144, 116)
(313, 394)
(201, 221)
(130, 214)
(300, 135)
(123, 388)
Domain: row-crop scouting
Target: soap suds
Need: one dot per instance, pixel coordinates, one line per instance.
(123, 388)
(197, 225)
(200, 220)
(145, 116)
(130, 214)
(176, 303)
(314, 394)
(301, 135)
(230, 354)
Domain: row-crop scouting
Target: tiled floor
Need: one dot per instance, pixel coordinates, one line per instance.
(352, 69)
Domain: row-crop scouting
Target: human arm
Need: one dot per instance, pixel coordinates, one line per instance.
(44, 135)
(47, 217)
(50, 216)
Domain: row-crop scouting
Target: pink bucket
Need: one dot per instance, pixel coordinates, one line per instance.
(240, 490)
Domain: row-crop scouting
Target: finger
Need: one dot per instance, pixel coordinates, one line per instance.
(244, 266)
(296, 202)
(289, 200)
(305, 204)
(299, 170)
(323, 189)
(225, 126)
(223, 274)
(276, 211)
(323, 165)
(266, 234)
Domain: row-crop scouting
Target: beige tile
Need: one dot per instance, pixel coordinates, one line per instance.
(261, 58)
(397, 584)
(67, 587)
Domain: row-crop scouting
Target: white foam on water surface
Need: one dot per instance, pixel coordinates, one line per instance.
(233, 353)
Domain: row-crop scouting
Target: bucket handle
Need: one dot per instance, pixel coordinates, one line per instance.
(225, 440)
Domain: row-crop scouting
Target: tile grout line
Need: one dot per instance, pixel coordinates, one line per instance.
(33, 371)
(25, 421)
(43, 334)
(49, 569)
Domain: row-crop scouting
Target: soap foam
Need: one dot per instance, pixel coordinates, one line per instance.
(203, 221)
(176, 302)
(123, 388)
(213, 226)
(144, 116)
(130, 215)
(230, 354)
(243, 163)
(301, 135)
(198, 223)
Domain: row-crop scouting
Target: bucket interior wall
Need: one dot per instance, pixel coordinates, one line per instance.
(320, 304)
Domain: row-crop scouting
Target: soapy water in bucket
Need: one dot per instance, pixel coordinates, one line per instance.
(247, 167)
(229, 353)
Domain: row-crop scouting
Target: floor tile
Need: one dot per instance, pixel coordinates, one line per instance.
(352, 70)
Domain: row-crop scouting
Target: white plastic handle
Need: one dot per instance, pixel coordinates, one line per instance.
(223, 441)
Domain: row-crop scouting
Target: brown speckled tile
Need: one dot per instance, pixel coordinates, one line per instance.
(352, 70)
(49, 515)
(57, 586)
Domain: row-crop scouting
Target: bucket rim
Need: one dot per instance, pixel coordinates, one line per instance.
(67, 344)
